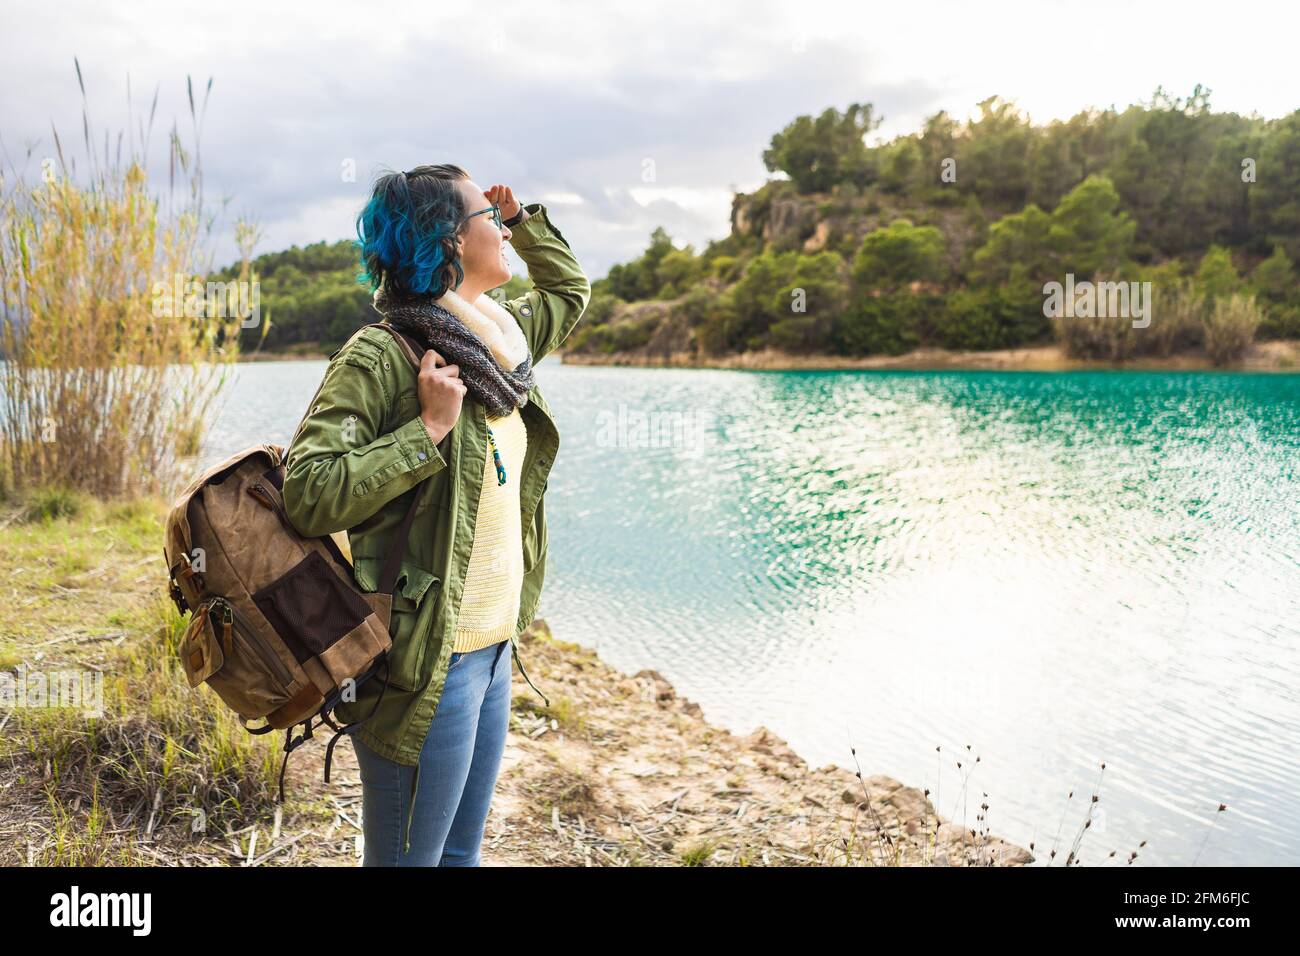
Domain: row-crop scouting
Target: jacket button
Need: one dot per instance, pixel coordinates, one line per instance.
(421, 455)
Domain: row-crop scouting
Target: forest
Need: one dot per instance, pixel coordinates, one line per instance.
(943, 237)
(946, 237)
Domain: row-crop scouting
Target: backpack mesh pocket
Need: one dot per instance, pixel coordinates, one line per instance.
(311, 607)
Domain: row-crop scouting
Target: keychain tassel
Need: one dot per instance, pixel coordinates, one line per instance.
(496, 458)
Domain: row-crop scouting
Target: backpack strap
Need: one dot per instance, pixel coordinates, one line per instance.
(393, 563)
(412, 349)
(414, 352)
(325, 713)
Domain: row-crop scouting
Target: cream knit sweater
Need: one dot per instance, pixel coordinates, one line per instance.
(495, 576)
(489, 603)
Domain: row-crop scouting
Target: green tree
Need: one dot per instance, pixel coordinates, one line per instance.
(1019, 246)
(639, 279)
(1217, 276)
(754, 299)
(1089, 230)
(1275, 197)
(899, 254)
(818, 153)
(677, 271)
(997, 318)
(809, 304)
(889, 324)
(993, 160)
(1274, 278)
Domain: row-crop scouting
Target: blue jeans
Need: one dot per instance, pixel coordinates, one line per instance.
(457, 774)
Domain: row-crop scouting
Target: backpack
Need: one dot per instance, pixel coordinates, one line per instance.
(279, 628)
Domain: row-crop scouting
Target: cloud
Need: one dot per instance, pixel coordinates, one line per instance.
(647, 115)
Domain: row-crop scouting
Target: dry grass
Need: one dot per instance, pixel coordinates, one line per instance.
(106, 373)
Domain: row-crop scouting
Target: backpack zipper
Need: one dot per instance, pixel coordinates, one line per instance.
(266, 500)
(229, 616)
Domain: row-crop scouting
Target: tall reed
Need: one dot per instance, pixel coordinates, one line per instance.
(105, 372)
(1230, 327)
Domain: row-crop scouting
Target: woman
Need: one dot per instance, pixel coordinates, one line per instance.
(465, 430)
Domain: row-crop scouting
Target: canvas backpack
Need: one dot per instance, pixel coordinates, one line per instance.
(279, 627)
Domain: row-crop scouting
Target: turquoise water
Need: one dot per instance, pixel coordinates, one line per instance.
(1054, 569)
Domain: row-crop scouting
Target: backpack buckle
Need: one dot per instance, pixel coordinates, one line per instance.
(178, 598)
(187, 573)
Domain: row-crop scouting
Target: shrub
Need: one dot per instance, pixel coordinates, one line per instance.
(1178, 309)
(997, 318)
(600, 308)
(726, 268)
(801, 333)
(899, 254)
(1230, 327)
(52, 502)
(698, 303)
(1280, 322)
(885, 324)
(1110, 338)
(1217, 276)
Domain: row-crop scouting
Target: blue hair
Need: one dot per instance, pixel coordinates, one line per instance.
(406, 234)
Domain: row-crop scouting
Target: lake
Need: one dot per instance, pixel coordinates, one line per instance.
(1054, 569)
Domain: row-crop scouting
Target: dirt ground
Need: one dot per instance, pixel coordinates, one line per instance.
(622, 771)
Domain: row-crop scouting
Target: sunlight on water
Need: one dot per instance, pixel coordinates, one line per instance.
(1056, 569)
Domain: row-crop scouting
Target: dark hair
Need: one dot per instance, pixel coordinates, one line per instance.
(407, 231)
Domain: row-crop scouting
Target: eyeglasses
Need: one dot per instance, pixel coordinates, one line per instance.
(494, 209)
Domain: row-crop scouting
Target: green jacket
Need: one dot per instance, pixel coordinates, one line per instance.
(361, 452)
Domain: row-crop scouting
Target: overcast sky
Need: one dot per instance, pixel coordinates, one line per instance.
(619, 116)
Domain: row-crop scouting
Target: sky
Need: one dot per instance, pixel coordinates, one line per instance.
(618, 116)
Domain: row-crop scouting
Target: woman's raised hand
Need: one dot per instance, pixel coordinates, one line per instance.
(503, 197)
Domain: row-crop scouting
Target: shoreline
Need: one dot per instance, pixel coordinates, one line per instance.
(618, 770)
(1274, 356)
(746, 799)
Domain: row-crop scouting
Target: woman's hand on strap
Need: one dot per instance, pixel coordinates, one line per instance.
(441, 392)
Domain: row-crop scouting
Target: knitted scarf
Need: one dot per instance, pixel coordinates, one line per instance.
(479, 337)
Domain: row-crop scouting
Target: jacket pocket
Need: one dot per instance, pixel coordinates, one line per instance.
(413, 582)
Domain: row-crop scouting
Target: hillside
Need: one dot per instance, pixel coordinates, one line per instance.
(311, 299)
(944, 239)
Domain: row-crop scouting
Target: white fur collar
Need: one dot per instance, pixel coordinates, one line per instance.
(494, 326)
